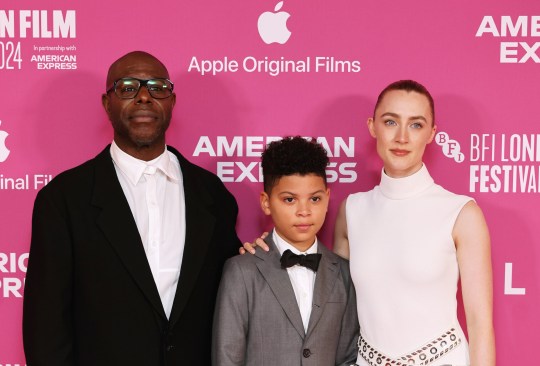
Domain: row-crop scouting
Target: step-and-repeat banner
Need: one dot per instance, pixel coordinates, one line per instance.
(248, 72)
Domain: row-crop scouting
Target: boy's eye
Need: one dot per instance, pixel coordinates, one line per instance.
(288, 199)
(315, 199)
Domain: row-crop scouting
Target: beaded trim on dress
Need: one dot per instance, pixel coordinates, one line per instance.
(424, 355)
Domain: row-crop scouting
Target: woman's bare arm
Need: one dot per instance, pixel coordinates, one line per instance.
(341, 238)
(471, 237)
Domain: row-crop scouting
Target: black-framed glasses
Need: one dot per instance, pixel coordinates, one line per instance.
(128, 88)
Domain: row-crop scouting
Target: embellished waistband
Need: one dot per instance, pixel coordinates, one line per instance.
(424, 355)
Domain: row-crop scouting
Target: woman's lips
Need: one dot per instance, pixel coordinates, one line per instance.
(399, 152)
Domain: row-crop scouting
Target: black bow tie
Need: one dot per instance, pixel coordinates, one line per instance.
(311, 261)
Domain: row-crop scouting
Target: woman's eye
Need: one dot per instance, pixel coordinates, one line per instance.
(390, 122)
(416, 125)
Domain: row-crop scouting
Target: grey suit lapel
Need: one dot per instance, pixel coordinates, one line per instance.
(278, 280)
(324, 283)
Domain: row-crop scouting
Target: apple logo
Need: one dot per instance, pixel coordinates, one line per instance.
(273, 26)
(4, 151)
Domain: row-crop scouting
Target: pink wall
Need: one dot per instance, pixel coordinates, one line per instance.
(480, 60)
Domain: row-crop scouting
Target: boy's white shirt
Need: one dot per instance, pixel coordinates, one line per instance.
(302, 278)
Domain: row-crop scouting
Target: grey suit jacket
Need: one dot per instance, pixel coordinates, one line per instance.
(257, 321)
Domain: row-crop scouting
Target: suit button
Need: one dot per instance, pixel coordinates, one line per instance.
(306, 353)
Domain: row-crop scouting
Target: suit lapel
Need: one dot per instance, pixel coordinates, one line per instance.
(200, 224)
(278, 280)
(117, 224)
(324, 283)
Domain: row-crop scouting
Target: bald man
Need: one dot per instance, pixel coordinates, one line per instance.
(127, 249)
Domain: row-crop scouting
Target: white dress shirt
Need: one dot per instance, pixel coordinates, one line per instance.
(302, 278)
(155, 193)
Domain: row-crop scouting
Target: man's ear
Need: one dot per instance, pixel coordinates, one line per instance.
(265, 203)
(105, 103)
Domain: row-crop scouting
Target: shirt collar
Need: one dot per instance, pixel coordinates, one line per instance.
(405, 187)
(134, 168)
(282, 245)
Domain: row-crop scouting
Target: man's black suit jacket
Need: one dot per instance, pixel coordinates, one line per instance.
(90, 298)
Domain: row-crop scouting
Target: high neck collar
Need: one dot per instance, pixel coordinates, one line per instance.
(407, 187)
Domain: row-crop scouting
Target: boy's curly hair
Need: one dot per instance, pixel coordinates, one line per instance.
(291, 156)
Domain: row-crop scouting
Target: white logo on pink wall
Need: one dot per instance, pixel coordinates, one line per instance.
(516, 37)
(242, 161)
(505, 163)
(273, 26)
(4, 151)
(42, 32)
(451, 148)
(13, 268)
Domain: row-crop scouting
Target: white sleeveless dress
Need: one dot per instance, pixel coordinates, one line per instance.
(404, 267)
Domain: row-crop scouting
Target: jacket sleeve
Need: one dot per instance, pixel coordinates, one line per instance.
(233, 243)
(230, 329)
(347, 349)
(47, 307)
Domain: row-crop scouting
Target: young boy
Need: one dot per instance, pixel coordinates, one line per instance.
(294, 305)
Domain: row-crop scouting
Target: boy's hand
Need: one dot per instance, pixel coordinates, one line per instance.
(250, 247)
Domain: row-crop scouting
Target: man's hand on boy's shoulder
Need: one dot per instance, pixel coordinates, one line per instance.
(250, 247)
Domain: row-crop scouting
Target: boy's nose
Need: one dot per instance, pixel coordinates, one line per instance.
(303, 210)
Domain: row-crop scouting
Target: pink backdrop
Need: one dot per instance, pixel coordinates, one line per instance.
(479, 59)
